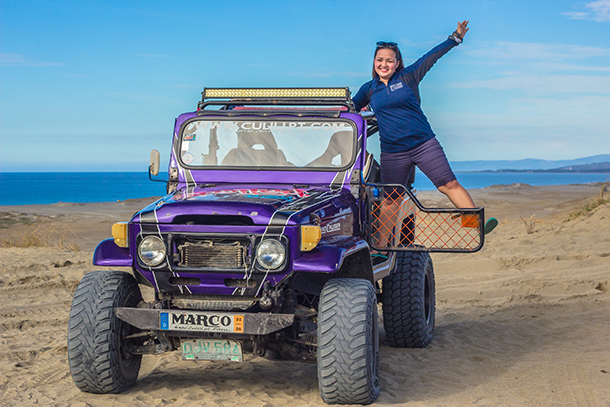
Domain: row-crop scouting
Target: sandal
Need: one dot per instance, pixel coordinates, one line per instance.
(490, 225)
(378, 254)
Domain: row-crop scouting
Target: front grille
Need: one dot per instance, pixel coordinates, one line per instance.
(213, 254)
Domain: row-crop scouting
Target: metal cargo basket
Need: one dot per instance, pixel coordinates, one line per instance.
(398, 218)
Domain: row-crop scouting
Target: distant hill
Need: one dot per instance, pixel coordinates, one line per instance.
(595, 167)
(528, 164)
(586, 168)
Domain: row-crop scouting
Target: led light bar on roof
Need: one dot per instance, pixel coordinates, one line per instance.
(222, 93)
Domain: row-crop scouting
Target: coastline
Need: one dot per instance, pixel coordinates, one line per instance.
(53, 188)
(522, 322)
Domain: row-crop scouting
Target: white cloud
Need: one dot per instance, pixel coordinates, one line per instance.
(537, 51)
(576, 15)
(534, 67)
(572, 67)
(599, 11)
(585, 113)
(545, 84)
(537, 127)
(20, 60)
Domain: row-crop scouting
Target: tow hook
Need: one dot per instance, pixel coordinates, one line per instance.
(260, 345)
(266, 302)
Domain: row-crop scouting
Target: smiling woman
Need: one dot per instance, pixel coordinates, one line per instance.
(407, 139)
(387, 61)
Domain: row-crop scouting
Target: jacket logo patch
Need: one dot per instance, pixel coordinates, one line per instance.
(395, 86)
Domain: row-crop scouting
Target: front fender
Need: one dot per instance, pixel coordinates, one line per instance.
(344, 257)
(328, 256)
(107, 253)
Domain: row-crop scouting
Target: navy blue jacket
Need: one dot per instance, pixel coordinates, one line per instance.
(397, 106)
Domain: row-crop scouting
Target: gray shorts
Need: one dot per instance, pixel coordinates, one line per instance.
(429, 157)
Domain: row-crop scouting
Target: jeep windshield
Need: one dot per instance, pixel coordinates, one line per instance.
(321, 143)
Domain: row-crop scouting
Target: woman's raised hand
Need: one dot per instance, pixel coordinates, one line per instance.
(462, 29)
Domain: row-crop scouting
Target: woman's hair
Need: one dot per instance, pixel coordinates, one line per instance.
(392, 46)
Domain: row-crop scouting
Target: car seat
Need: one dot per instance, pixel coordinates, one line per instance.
(255, 149)
(339, 146)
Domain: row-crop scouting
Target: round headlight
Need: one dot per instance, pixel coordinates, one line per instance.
(270, 254)
(151, 251)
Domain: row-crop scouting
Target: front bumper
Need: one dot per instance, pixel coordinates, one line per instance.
(204, 322)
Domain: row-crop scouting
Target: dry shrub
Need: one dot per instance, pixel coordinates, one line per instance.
(38, 235)
(529, 224)
(592, 204)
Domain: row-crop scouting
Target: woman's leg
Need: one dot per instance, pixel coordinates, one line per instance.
(457, 194)
(395, 169)
(388, 217)
(431, 159)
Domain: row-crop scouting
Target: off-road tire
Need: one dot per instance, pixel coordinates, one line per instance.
(99, 362)
(348, 344)
(409, 301)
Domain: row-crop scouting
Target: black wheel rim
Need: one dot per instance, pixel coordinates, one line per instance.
(127, 358)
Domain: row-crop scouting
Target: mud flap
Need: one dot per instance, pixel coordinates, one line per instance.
(397, 221)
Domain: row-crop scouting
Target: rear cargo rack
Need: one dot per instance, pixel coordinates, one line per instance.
(276, 96)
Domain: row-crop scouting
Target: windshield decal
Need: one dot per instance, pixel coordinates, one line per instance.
(251, 126)
(239, 194)
(188, 158)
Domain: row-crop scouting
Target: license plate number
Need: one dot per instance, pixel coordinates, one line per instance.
(212, 349)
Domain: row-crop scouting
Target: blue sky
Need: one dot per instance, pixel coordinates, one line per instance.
(95, 85)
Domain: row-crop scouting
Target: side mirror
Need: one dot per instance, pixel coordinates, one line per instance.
(155, 159)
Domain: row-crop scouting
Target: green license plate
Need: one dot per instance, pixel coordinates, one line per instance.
(212, 349)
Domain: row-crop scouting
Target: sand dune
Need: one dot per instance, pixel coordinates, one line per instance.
(524, 322)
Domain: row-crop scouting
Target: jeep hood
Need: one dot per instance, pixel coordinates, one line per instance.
(264, 205)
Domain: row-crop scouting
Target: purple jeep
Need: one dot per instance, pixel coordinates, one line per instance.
(263, 245)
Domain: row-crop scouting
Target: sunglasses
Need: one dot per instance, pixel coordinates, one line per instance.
(386, 44)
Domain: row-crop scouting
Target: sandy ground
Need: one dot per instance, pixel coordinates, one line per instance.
(524, 322)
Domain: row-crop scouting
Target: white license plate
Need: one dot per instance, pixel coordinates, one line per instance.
(212, 349)
(202, 322)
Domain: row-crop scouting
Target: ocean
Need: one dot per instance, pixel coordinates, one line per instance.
(19, 188)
